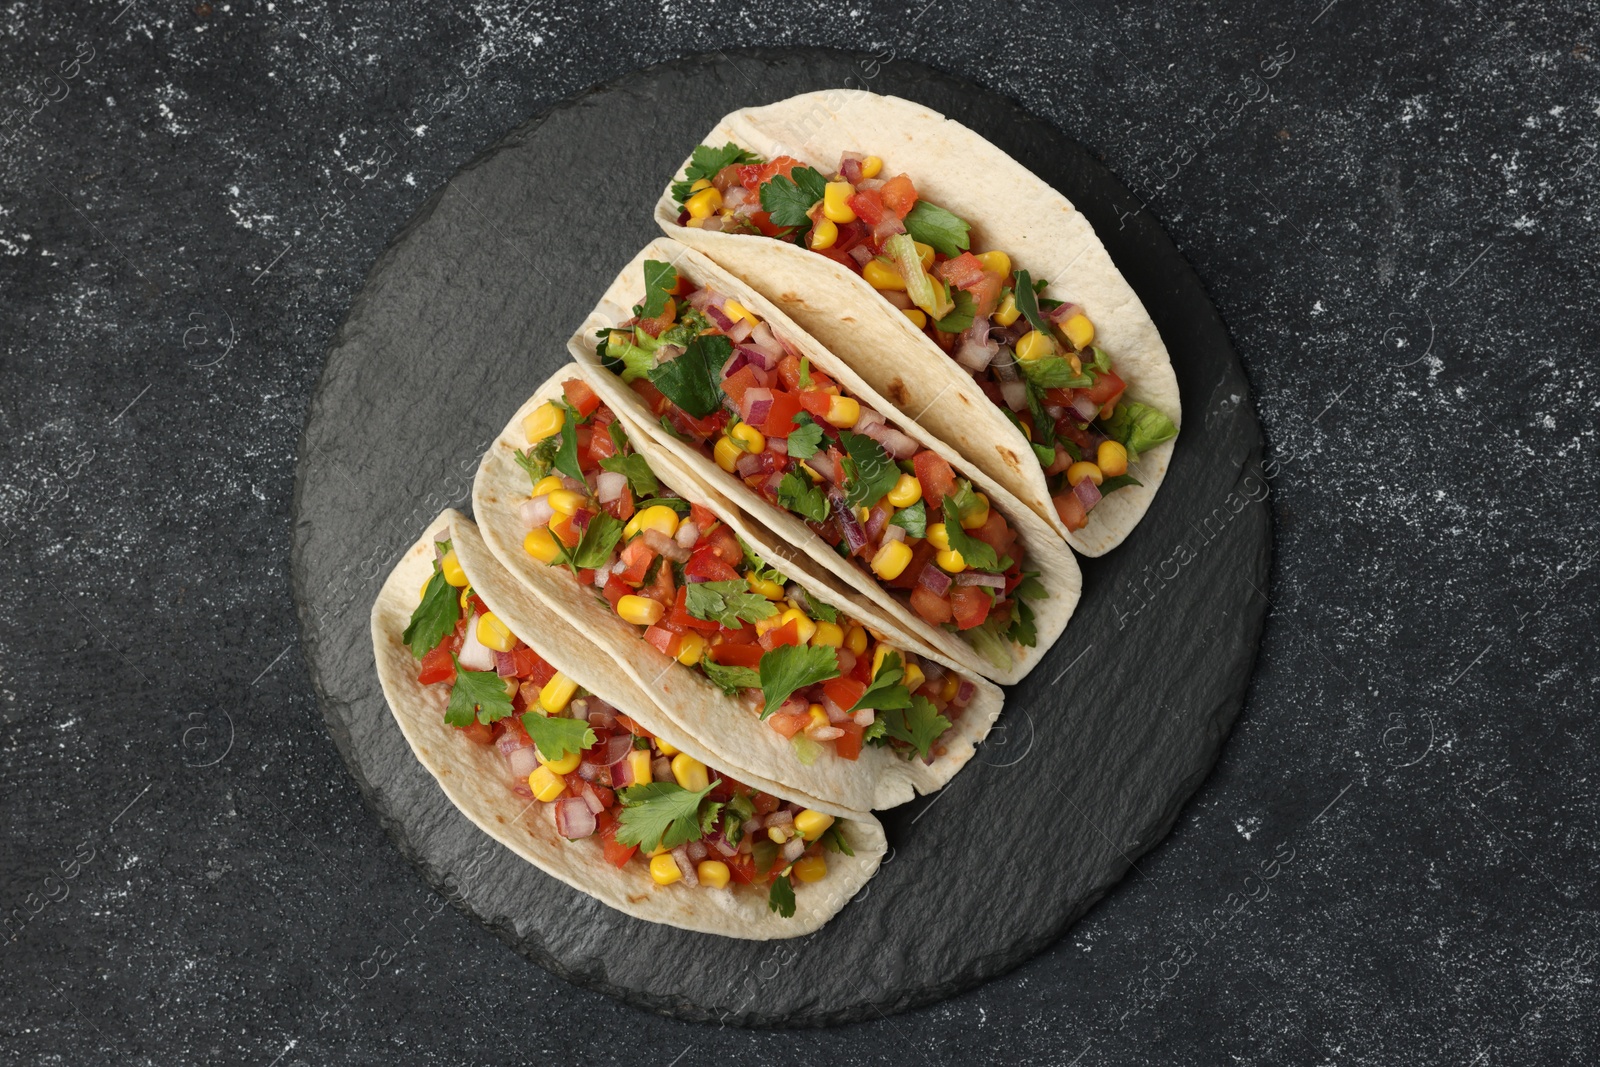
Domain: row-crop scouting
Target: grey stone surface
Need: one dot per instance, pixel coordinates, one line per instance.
(1399, 236)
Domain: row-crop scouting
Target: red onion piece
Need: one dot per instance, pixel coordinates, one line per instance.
(581, 519)
(621, 774)
(537, 512)
(696, 851)
(474, 654)
(887, 227)
(734, 365)
(897, 444)
(748, 465)
(523, 761)
(865, 717)
(756, 405)
(1088, 493)
(835, 712)
(591, 798)
(1062, 313)
(666, 546)
(854, 535)
(739, 331)
(615, 748)
(681, 855)
(602, 719)
(715, 315)
(510, 741)
(892, 533)
(574, 820)
(1016, 395)
(877, 519)
(850, 167)
(505, 665)
(794, 848)
(758, 358)
(975, 355)
(824, 464)
(610, 485)
(762, 337)
(861, 254)
(779, 445)
(598, 773)
(1086, 409)
(687, 535)
(934, 580)
(964, 694)
(993, 581)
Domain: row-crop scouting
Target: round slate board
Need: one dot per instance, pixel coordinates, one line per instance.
(469, 310)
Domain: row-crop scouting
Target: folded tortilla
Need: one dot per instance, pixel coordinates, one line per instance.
(724, 724)
(1008, 208)
(1058, 567)
(477, 781)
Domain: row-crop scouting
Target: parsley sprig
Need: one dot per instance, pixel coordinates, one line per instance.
(660, 814)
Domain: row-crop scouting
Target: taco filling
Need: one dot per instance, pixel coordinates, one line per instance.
(698, 594)
(1034, 358)
(719, 378)
(599, 773)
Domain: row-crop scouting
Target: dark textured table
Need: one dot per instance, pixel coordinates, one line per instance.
(1394, 861)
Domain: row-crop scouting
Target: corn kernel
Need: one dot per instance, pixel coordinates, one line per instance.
(727, 454)
(914, 678)
(565, 502)
(878, 657)
(1079, 330)
(830, 634)
(541, 545)
(806, 625)
(1008, 311)
(736, 311)
(979, 515)
(918, 317)
(640, 610)
(862, 513)
(950, 560)
(891, 559)
(1035, 345)
(819, 716)
(666, 748)
(657, 517)
(996, 262)
(810, 868)
(691, 648)
(765, 586)
(949, 687)
(664, 869)
(557, 693)
(856, 639)
(880, 275)
(812, 824)
(1113, 459)
(547, 419)
(548, 484)
(565, 765)
(924, 254)
(713, 874)
(425, 583)
(702, 183)
(690, 772)
(694, 223)
(871, 167)
(823, 234)
(704, 204)
(546, 784)
(495, 634)
(906, 491)
(836, 201)
(938, 536)
(451, 566)
(771, 622)
(1084, 469)
(843, 411)
(465, 600)
(748, 438)
(639, 763)
(779, 835)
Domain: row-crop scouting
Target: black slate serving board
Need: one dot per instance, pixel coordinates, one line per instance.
(468, 311)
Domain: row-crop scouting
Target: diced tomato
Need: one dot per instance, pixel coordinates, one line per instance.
(762, 221)
(861, 670)
(899, 195)
(969, 605)
(723, 542)
(653, 398)
(655, 326)
(615, 589)
(935, 475)
(585, 438)
(789, 723)
(816, 402)
(787, 634)
(636, 559)
(480, 732)
(868, 206)
(921, 555)
(526, 663)
(754, 175)
(475, 605)
(620, 507)
(930, 607)
(700, 429)
(742, 868)
(731, 655)
(666, 641)
(744, 635)
(437, 666)
(996, 533)
(736, 383)
(617, 854)
(580, 396)
(780, 420)
(1107, 389)
(601, 446)
(707, 566)
(765, 803)
(985, 295)
(849, 745)
(633, 728)
(1071, 511)
(703, 518)
(961, 272)
(664, 589)
(843, 692)
(561, 528)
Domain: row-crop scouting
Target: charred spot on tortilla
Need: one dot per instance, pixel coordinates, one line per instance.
(1009, 457)
(896, 392)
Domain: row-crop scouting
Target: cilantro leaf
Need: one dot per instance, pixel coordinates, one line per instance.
(1113, 484)
(933, 225)
(887, 689)
(594, 547)
(637, 470)
(1139, 427)
(961, 317)
(790, 667)
(566, 460)
(979, 555)
(434, 617)
(833, 840)
(706, 162)
(1054, 372)
(619, 436)
(965, 498)
(735, 814)
(877, 733)
(822, 611)
(690, 381)
(807, 437)
(781, 897)
(476, 692)
(1028, 303)
(869, 472)
(689, 325)
(1044, 427)
(537, 460)
(659, 281)
(1022, 630)
(731, 679)
(728, 603)
(677, 504)
(913, 520)
(797, 494)
(1031, 587)
(558, 738)
(660, 814)
(789, 199)
(919, 725)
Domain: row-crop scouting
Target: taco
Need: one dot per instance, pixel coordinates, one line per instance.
(535, 737)
(956, 283)
(771, 665)
(758, 410)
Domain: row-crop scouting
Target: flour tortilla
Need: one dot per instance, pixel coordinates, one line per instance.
(1046, 553)
(1008, 208)
(478, 783)
(725, 724)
